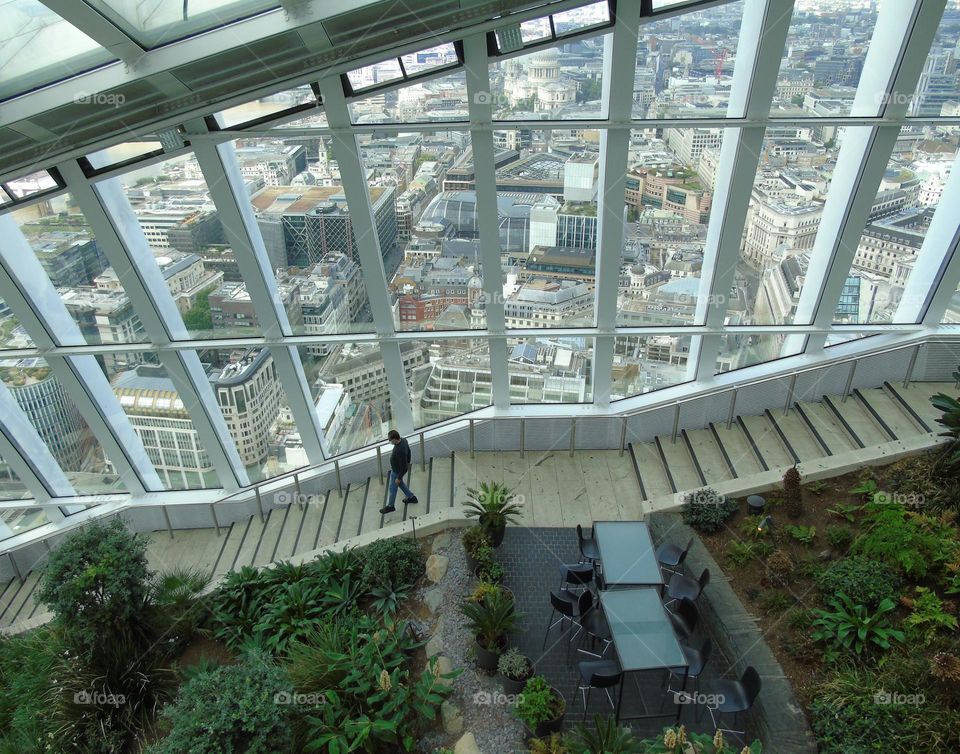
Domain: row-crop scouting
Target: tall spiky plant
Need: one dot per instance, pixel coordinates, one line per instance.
(792, 494)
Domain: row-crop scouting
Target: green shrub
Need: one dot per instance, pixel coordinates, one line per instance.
(774, 601)
(27, 665)
(397, 562)
(839, 537)
(539, 703)
(235, 708)
(681, 741)
(865, 581)
(605, 735)
(706, 511)
(851, 627)
(802, 534)
(927, 617)
(176, 594)
(915, 543)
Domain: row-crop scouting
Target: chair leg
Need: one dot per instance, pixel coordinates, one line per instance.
(586, 702)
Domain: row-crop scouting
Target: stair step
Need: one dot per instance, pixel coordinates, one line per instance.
(766, 441)
(708, 456)
(329, 520)
(251, 541)
(18, 600)
(894, 416)
(862, 424)
(291, 528)
(918, 394)
(376, 495)
(735, 444)
(798, 434)
(681, 466)
(270, 537)
(234, 538)
(654, 477)
(828, 427)
(352, 511)
(918, 418)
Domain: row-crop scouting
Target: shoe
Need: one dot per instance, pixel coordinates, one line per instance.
(385, 511)
(410, 500)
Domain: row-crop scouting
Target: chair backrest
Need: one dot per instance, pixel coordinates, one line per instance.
(562, 606)
(705, 651)
(751, 684)
(602, 679)
(585, 602)
(578, 573)
(683, 555)
(704, 579)
(689, 613)
(580, 535)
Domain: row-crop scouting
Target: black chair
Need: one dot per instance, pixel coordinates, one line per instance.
(685, 618)
(598, 674)
(577, 576)
(594, 626)
(735, 697)
(671, 557)
(696, 661)
(681, 586)
(589, 551)
(569, 611)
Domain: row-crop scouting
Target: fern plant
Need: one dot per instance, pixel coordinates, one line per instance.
(928, 617)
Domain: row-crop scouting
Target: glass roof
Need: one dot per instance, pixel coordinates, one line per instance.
(37, 47)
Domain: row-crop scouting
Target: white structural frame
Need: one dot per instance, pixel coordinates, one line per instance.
(905, 26)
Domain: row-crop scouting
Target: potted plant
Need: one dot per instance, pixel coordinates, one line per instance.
(473, 539)
(516, 669)
(493, 505)
(490, 620)
(541, 707)
(488, 569)
(485, 588)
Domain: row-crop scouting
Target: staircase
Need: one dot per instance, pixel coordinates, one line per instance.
(560, 489)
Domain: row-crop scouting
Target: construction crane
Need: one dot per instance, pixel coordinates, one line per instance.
(723, 57)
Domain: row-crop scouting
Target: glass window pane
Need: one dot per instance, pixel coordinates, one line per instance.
(29, 185)
(306, 228)
(118, 153)
(938, 92)
(823, 59)
(456, 381)
(157, 23)
(11, 488)
(57, 420)
(842, 336)
(535, 30)
(12, 334)
(556, 82)
(4, 199)
(38, 47)
(75, 262)
(685, 64)
(183, 228)
(376, 74)
(740, 350)
(429, 59)
(644, 363)
(550, 370)
(19, 520)
(952, 315)
(578, 19)
(669, 193)
(887, 252)
(438, 99)
(273, 104)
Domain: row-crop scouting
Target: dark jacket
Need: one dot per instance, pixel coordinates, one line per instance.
(400, 458)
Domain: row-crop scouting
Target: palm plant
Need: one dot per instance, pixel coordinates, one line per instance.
(605, 736)
(951, 421)
(494, 505)
(491, 619)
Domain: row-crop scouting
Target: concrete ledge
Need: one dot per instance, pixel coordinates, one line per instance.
(776, 717)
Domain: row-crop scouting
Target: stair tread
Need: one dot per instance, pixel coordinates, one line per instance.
(832, 432)
(681, 466)
(270, 536)
(895, 417)
(860, 421)
(767, 442)
(708, 455)
(651, 470)
(799, 436)
(739, 450)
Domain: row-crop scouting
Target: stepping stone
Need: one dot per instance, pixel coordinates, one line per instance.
(437, 567)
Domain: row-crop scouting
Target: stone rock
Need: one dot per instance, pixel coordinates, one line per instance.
(433, 598)
(452, 718)
(440, 542)
(467, 745)
(437, 567)
(435, 645)
(825, 555)
(443, 666)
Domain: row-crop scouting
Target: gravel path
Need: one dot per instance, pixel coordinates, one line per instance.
(486, 711)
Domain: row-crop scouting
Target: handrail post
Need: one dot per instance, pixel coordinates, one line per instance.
(423, 454)
(623, 435)
(213, 515)
(298, 491)
(790, 390)
(166, 516)
(256, 491)
(380, 463)
(911, 365)
(16, 568)
(733, 404)
(336, 468)
(471, 438)
(676, 422)
(846, 389)
(573, 435)
(523, 435)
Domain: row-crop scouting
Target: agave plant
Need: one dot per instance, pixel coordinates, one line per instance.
(494, 505)
(605, 736)
(491, 619)
(951, 420)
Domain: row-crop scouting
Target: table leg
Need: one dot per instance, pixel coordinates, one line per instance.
(619, 701)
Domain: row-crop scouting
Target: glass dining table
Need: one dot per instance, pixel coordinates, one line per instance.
(627, 555)
(642, 634)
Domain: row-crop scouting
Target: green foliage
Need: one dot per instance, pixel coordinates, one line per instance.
(751, 527)
(386, 599)
(774, 601)
(539, 703)
(853, 628)
(817, 487)
(493, 505)
(865, 581)
(514, 664)
(491, 619)
(488, 569)
(96, 583)
(681, 741)
(605, 735)
(918, 544)
(799, 618)
(792, 493)
(839, 537)
(927, 617)
(27, 665)
(231, 709)
(177, 595)
(397, 562)
(740, 553)
(844, 511)
(950, 420)
(198, 318)
(803, 534)
(706, 511)
(474, 538)
(866, 487)
(553, 745)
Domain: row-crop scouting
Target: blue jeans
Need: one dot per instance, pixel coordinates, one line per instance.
(395, 482)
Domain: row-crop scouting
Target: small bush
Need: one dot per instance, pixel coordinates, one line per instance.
(780, 567)
(231, 709)
(706, 511)
(917, 544)
(774, 601)
(865, 581)
(839, 537)
(396, 562)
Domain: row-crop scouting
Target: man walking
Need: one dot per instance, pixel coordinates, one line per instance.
(399, 466)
